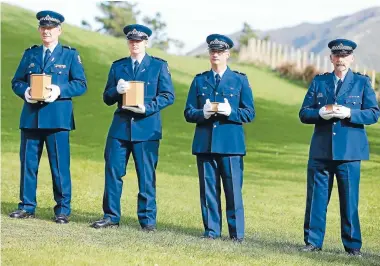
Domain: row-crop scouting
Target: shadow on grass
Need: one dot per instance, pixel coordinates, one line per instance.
(253, 244)
(83, 217)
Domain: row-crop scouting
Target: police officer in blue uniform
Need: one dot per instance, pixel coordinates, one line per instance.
(135, 130)
(338, 145)
(219, 137)
(48, 121)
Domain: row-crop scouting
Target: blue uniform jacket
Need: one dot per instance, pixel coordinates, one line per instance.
(220, 134)
(337, 139)
(158, 94)
(67, 72)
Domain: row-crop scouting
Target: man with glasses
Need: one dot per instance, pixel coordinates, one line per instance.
(135, 130)
(49, 120)
(219, 102)
(339, 104)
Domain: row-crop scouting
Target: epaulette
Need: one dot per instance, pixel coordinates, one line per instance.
(361, 74)
(31, 47)
(68, 47)
(119, 60)
(159, 59)
(200, 74)
(322, 74)
(240, 73)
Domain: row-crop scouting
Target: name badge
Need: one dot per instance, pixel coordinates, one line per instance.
(60, 66)
(319, 95)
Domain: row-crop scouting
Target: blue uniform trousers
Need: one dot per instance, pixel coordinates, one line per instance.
(320, 178)
(145, 155)
(230, 168)
(58, 149)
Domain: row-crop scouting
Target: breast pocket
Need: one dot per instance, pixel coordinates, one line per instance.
(353, 103)
(321, 101)
(59, 75)
(203, 94)
(150, 89)
(232, 95)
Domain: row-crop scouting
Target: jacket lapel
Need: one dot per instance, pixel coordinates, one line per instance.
(347, 83)
(225, 79)
(330, 89)
(128, 68)
(209, 78)
(54, 56)
(143, 67)
(37, 57)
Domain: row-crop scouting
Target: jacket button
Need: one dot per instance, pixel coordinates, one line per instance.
(216, 93)
(319, 103)
(334, 123)
(60, 72)
(214, 126)
(232, 95)
(203, 94)
(133, 118)
(30, 72)
(334, 133)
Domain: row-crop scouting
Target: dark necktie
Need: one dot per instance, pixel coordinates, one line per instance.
(340, 82)
(217, 79)
(47, 56)
(136, 67)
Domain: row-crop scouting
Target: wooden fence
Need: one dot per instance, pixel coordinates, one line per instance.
(274, 55)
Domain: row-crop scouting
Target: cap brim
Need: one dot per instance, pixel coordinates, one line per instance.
(137, 38)
(342, 52)
(217, 48)
(49, 24)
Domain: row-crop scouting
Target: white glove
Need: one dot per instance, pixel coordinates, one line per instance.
(55, 91)
(342, 112)
(122, 86)
(224, 108)
(207, 109)
(327, 115)
(140, 109)
(27, 96)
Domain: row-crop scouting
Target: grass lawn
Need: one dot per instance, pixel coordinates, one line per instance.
(274, 188)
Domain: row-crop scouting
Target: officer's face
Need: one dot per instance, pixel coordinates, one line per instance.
(137, 47)
(219, 57)
(49, 34)
(341, 62)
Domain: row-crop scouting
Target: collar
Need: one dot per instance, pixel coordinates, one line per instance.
(51, 48)
(220, 74)
(138, 60)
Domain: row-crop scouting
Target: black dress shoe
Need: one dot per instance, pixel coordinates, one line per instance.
(208, 237)
(149, 228)
(237, 240)
(310, 248)
(354, 252)
(104, 223)
(61, 219)
(21, 214)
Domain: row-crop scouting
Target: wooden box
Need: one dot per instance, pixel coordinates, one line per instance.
(214, 106)
(38, 84)
(135, 94)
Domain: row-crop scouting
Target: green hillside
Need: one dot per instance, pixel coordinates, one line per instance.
(274, 183)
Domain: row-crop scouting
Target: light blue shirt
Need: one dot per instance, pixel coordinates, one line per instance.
(138, 60)
(44, 48)
(220, 74)
(336, 79)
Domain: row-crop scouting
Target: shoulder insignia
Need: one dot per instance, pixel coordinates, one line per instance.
(68, 47)
(200, 74)
(31, 47)
(322, 74)
(159, 59)
(240, 73)
(358, 73)
(119, 60)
